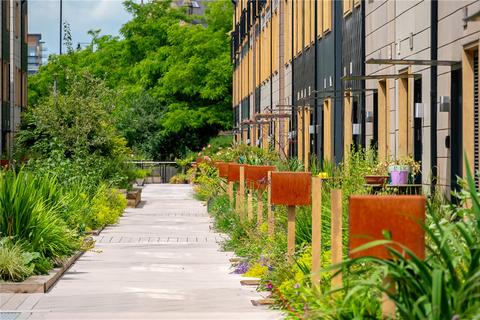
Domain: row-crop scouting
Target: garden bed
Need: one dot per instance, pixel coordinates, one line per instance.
(41, 283)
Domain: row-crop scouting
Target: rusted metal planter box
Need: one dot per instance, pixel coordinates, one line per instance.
(401, 216)
(222, 169)
(257, 176)
(234, 171)
(291, 188)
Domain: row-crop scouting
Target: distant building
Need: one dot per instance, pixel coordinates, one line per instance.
(36, 48)
(194, 7)
(13, 79)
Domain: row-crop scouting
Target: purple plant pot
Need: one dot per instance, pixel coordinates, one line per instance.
(399, 177)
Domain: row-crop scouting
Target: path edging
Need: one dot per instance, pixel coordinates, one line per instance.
(41, 283)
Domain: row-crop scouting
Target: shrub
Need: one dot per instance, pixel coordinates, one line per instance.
(15, 263)
(26, 215)
(107, 207)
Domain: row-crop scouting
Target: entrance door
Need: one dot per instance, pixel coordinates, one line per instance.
(456, 157)
(417, 128)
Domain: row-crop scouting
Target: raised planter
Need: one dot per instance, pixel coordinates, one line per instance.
(39, 284)
(375, 180)
(134, 197)
(373, 216)
(140, 181)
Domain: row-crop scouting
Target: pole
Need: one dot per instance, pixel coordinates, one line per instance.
(61, 23)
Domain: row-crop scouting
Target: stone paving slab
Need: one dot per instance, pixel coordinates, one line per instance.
(161, 261)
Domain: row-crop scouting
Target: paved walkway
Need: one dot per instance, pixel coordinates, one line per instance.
(161, 261)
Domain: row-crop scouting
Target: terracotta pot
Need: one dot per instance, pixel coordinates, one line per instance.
(401, 216)
(376, 179)
(291, 188)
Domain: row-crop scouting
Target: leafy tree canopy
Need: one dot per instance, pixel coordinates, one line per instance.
(170, 72)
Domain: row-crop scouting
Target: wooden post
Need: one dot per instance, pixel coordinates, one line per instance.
(291, 233)
(259, 208)
(237, 200)
(336, 224)
(242, 192)
(230, 192)
(388, 305)
(270, 215)
(249, 206)
(316, 229)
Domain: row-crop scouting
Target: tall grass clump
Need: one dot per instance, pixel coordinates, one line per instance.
(26, 215)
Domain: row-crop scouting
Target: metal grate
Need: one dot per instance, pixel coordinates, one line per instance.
(9, 315)
(476, 118)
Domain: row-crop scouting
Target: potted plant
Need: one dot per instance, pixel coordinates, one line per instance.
(403, 170)
(140, 175)
(377, 175)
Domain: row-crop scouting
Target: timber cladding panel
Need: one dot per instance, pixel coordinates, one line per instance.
(327, 130)
(383, 121)
(371, 217)
(291, 188)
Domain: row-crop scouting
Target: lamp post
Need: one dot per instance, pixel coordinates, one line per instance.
(61, 20)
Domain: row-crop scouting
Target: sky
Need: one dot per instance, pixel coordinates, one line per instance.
(82, 15)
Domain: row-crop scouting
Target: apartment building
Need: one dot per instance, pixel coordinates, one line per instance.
(13, 79)
(319, 77)
(36, 48)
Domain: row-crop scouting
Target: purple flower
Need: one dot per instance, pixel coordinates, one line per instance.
(297, 285)
(241, 268)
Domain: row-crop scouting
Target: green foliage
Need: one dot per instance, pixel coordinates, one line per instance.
(15, 263)
(72, 134)
(171, 76)
(246, 154)
(26, 215)
(444, 286)
(107, 206)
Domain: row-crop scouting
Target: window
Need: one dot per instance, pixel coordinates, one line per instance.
(18, 20)
(347, 123)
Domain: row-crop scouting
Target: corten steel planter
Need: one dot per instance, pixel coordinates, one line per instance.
(234, 171)
(256, 177)
(291, 188)
(222, 169)
(401, 216)
(134, 197)
(376, 179)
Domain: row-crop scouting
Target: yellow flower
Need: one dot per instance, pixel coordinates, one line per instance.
(323, 175)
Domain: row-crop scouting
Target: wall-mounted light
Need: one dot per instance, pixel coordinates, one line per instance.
(418, 110)
(311, 129)
(368, 116)
(356, 129)
(444, 104)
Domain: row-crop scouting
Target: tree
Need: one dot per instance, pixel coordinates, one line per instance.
(172, 76)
